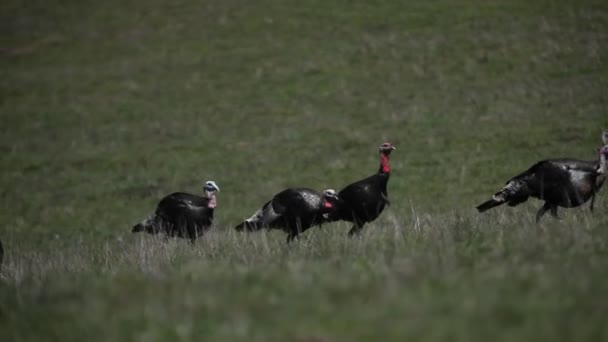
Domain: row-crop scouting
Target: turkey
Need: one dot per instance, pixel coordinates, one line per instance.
(364, 201)
(563, 183)
(293, 210)
(182, 214)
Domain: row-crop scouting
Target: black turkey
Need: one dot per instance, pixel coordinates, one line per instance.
(182, 214)
(364, 201)
(292, 210)
(563, 183)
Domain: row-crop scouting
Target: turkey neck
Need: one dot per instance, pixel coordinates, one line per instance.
(385, 166)
(326, 206)
(212, 201)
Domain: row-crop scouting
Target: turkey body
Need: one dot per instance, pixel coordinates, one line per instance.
(292, 210)
(563, 183)
(363, 201)
(179, 214)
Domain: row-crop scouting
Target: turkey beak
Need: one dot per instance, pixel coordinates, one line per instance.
(393, 148)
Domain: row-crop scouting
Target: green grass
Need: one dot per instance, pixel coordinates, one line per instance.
(105, 107)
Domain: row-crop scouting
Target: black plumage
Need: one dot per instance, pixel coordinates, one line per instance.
(292, 210)
(364, 201)
(562, 182)
(182, 214)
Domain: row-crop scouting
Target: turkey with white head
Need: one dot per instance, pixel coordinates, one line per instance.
(182, 214)
(292, 210)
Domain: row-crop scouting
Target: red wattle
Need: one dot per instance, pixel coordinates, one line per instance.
(327, 204)
(384, 164)
(212, 202)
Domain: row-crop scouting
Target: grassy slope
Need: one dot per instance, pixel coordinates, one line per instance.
(107, 106)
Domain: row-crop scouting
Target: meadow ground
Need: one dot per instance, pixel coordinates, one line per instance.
(106, 106)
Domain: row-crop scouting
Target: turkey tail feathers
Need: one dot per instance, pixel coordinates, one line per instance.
(138, 228)
(489, 204)
(513, 193)
(243, 226)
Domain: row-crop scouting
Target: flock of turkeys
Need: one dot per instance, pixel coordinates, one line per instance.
(561, 182)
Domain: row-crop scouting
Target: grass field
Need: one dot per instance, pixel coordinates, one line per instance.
(106, 106)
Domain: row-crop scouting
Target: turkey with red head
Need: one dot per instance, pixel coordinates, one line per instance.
(363, 201)
(561, 182)
(182, 214)
(292, 210)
